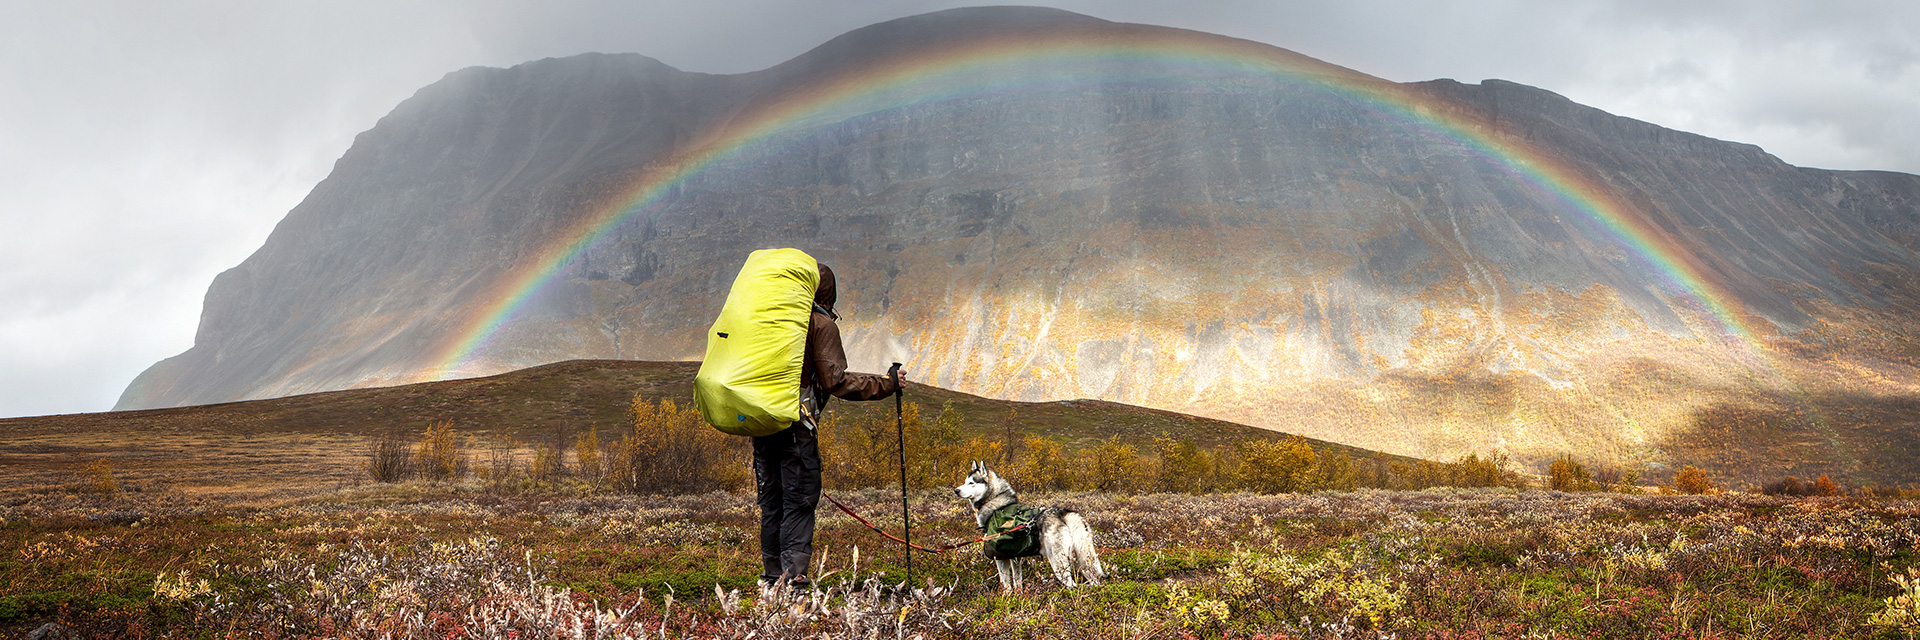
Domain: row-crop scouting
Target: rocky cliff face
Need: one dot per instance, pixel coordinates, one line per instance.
(1276, 254)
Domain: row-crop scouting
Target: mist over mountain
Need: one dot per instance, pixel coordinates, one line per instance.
(1289, 253)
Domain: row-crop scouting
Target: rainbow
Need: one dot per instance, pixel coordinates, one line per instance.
(1052, 59)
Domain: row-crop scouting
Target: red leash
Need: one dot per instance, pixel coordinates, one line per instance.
(894, 538)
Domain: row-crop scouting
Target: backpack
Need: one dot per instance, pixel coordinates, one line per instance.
(749, 383)
(1019, 544)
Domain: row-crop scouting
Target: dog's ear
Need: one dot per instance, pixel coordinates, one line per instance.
(976, 465)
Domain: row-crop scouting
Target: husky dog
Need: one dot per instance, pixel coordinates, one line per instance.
(1062, 535)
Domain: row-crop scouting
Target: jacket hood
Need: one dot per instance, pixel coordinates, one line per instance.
(824, 294)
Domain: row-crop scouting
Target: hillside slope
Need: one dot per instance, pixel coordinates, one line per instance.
(320, 439)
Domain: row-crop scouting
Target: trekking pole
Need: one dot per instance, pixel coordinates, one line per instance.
(900, 430)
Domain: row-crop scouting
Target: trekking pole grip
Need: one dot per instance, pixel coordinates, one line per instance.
(894, 374)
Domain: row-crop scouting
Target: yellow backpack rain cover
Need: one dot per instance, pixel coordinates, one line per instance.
(749, 385)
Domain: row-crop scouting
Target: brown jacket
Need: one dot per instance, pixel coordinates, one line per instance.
(825, 366)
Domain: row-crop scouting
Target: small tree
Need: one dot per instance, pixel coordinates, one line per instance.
(936, 453)
(1825, 486)
(865, 452)
(1116, 467)
(550, 454)
(1629, 482)
(441, 455)
(1692, 480)
(1336, 472)
(961, 457)
(1471, 470)
(500, 467)
(1419, 474)
(546, 462)
(1567, 474)
(100, 475)
(1184, 467)
(669, 449)
(1044, 465)
(388, 459)
(587, 456)
(1286, 466)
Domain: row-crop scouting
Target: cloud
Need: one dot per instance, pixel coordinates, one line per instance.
(1832, 86)
(147, 146)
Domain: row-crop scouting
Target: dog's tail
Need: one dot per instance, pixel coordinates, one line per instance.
(1084, 555)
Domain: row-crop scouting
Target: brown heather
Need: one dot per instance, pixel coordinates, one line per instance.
(445, 560)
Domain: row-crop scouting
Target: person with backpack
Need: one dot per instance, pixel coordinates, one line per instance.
(786, 465)
(773, 359)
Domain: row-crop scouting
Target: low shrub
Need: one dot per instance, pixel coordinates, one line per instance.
(587, 460)
(1825, 486)
(1567, 474)
(1693, 480)
(442, 453)
(1468, 471)
(671, 450)
(1786, 486)
(1286, 466)
(501, 469)
(100, 477)
(388, 457)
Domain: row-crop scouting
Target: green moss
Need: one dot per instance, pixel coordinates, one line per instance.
(688, 576)
(19, 608)
(1485, 555)
(1127, 594)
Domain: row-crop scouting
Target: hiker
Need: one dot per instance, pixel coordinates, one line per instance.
(786, 465)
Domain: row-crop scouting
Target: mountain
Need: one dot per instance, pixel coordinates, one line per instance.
(1030, 204)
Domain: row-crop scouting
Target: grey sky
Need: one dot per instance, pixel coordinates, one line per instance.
(147, 146)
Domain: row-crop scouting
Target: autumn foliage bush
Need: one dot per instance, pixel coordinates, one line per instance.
(100, 477)
(1567, 474)
(442, 453)
(1287, 466)
(1469, 470)
(668, 449)
(865, 453)
(1791, 486)
(587, 458)
(1693, 480)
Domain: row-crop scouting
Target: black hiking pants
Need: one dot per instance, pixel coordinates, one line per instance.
(786, 470)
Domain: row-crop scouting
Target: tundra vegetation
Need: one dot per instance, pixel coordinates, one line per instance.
(649, 531)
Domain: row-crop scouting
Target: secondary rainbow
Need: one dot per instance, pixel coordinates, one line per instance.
(1047, 60)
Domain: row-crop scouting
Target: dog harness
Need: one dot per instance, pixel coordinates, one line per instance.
(1012, 544)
